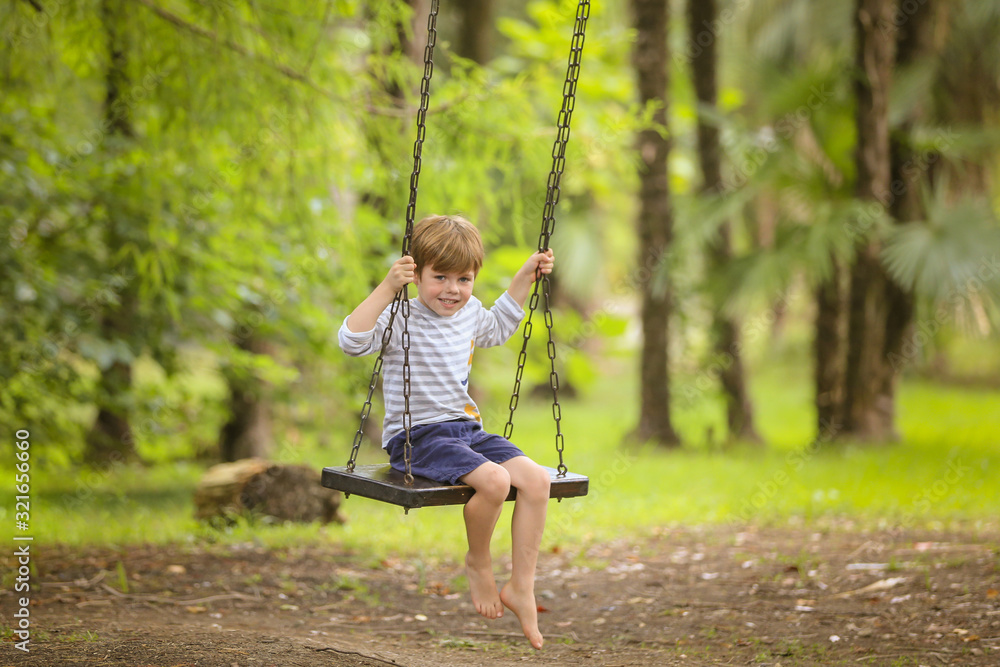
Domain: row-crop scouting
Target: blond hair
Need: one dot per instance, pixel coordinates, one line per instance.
(449, 243)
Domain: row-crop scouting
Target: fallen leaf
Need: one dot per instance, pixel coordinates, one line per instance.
(196, 610)
(541, 609)
(880, 585)
(992, 593)
(437, 588)
(176, 569)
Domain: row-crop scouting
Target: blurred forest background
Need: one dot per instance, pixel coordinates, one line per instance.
(777, 228)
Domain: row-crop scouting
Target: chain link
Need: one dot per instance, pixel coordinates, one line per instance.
(548, 227)
(401, 302)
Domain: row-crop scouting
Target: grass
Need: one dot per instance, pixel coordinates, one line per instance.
(942, 473)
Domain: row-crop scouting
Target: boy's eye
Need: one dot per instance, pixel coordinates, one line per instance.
(465, 279)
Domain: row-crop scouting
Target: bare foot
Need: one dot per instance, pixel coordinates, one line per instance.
(484, 588)
(526, 609)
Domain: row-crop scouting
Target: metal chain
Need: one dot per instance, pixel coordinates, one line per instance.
(376, 372)
(548, 227)
(401, 302)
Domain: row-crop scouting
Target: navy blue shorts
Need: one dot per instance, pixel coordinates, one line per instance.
(447, 450)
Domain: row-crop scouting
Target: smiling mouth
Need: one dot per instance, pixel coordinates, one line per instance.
(448, 302)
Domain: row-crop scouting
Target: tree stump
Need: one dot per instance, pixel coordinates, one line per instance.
(256, 486)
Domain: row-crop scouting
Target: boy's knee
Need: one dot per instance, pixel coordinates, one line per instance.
(494, 483)
(538, 483)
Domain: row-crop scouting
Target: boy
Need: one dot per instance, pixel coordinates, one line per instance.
(446, 324)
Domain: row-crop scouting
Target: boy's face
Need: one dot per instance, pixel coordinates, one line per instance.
(444, 293)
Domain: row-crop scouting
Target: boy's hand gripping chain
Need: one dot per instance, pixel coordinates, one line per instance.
(401, 302)
(548, 226)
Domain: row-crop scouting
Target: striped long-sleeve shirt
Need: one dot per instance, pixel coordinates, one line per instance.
(441, 350)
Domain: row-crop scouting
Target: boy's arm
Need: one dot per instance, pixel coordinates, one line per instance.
(520, 285)
(365, 316)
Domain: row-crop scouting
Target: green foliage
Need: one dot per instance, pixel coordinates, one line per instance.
(957, 244)
(789, 187)
(249, 186)
(256, 194)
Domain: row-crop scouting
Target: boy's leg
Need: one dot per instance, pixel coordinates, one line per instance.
(492, 484)
(527, 525)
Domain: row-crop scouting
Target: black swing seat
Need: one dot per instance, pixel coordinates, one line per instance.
(382, 482)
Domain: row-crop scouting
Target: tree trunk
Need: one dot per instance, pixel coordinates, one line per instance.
(475, 37)
(386, 149)
(914, 41)
(414, 48)
(110, 439)
(739, 410)
(256, 486)
(248, 432)
(655, 221)
(762, 213)
(828, 355)
(868, 409)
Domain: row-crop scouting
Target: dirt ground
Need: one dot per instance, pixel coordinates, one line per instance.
(686, 596)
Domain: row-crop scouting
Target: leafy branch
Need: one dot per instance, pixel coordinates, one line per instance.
(281, 68)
